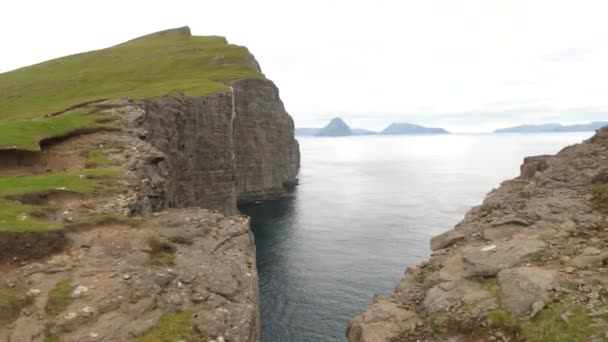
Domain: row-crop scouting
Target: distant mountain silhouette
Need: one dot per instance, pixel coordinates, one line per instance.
(554, 127)
(408, 128)
(335, 128)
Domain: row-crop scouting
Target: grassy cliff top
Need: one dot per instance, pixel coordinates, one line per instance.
(155, 65)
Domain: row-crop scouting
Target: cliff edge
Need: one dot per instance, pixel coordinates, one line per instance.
(526, 265)
(120, 174)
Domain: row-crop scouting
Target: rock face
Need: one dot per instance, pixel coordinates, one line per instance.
(184, 256)
(335, 128)
(267, 155)
(220, 149)
(538, 243)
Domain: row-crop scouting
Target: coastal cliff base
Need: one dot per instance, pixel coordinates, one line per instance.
(526, 265)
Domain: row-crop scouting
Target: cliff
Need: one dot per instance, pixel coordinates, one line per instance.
(118, 218)
(526, 265)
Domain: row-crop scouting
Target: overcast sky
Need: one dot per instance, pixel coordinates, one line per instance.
(463, 65)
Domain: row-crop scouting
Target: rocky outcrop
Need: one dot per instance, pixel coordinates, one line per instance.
(519, 267)
(235, 146)
(176, 263)
(267, 157)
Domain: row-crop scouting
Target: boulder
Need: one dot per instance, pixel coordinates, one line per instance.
(451, 295)
(489, 260)
(383, 320)
(502, 232)
(446, 239)
(524, 290)
(583, 261)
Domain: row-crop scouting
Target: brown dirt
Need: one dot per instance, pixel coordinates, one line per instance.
(25, 246)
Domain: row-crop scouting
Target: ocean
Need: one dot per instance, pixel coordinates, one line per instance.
(365, 209)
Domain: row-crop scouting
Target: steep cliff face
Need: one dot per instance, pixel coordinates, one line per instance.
(235, 145)
(197, 138)
(526, 265)
(267, 156)
(122, 196)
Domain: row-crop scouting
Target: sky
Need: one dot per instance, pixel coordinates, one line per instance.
(467, 65)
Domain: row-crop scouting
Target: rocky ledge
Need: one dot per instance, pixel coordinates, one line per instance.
(526, 265)
(156, 250)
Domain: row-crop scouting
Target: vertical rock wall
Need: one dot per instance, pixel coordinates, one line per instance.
(196, 136)
(267, 155)
(220, 149)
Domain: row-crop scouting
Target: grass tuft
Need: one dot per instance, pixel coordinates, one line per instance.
(59, 298)
(171, 328)
(96, 158)
(26, 134)
(549, 326)
(19, 218)
(161, 251)
(11, 301)
(502, 320)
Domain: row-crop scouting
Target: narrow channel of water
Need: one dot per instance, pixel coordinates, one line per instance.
(367, 207)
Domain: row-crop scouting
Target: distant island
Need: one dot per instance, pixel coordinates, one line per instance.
(335, 128)
(338, 128)
(408, 128)
(554, 127)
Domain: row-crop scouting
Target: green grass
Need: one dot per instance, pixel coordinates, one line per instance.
(549, 327)
(96, 158)
(492, 286)
(502, 320)
(83, 181)
(151, 66)
(59, 298)
(162, 252)
(19, 218)
(171, 328)
(26, 134)
(9, 302)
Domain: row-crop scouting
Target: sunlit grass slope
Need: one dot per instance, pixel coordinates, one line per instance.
(156, 65)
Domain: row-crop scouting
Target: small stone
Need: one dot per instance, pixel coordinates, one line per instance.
(536, 308)
(79, 291)
(33, 292)
(569, 270)
(26, 312)
(589, 251)
(176, 299)
(126, 276)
